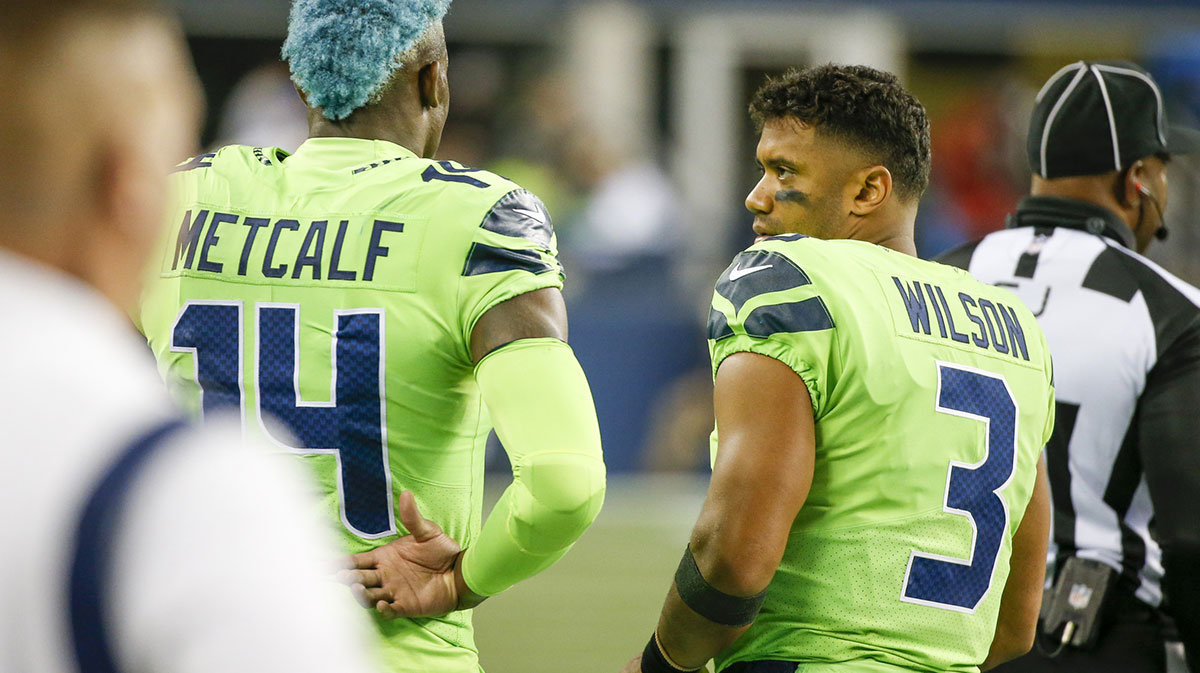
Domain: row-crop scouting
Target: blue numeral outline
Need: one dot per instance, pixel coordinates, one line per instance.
(332, 403)
(931, 564)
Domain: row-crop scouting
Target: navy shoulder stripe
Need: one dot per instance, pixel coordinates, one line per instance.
(202, 161)
(91, 565)
(756, 272)
(718, 325)
(809, 315)
(520, 214)
(489, 259)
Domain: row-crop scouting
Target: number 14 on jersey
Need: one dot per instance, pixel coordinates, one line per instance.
(351, 426)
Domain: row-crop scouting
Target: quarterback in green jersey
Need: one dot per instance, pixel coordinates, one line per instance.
(877, 500)
(374, 312)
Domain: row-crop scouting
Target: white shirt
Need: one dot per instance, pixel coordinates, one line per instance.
(214, 563)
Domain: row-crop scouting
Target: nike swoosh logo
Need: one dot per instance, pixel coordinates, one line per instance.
(738, 273)
(531, 214)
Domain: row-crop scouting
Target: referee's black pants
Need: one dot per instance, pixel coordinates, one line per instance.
(1131, 641)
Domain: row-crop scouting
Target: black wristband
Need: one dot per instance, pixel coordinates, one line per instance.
(654, 661)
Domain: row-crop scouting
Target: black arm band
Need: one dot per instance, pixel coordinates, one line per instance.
(654, 661)
(710, 603)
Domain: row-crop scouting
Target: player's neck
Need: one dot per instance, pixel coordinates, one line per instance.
(899, 242)
(890, 230)
(411, 135)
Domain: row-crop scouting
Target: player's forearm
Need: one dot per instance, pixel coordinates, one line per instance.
(467, 598)
(521, 538)
(718, 590)
(1007, 645)
(543, 412)
(1016, 623)
(689, 639)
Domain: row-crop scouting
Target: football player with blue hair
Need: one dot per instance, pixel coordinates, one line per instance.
(345, 55)
(388, 309)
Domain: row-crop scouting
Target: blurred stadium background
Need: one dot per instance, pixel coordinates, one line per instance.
(627, 118)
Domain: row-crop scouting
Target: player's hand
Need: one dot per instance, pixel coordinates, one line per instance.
(634, 666)
(411, 576)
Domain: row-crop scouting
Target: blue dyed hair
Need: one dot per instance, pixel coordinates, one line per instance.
(342, 52)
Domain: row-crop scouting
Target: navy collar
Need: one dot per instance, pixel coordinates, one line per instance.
(1054, 211)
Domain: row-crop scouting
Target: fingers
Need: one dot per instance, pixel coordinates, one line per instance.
(422, 529)
(366, 578)
(395, 609)
(360, 595)
(398, 609)
(368, 597)
(386, 610)
(363, 560)
(375, 596)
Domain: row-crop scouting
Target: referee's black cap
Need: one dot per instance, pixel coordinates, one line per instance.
(1094, 117)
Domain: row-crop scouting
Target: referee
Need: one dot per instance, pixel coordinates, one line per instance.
(1124, 459)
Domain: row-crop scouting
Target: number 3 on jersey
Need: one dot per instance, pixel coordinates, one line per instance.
(350, 426)
(972, 491)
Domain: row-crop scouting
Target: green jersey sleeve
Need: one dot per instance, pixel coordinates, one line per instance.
(1052, 411)
(765, 303)
(514, 251)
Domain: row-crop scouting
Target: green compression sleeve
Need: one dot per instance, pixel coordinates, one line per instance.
(543, 413)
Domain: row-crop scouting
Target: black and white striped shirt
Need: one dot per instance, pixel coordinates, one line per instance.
(1124, 459)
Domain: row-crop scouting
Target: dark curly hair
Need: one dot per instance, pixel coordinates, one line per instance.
(863, 107)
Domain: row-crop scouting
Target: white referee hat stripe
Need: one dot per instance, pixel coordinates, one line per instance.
(1062, 98)
(1112, 119)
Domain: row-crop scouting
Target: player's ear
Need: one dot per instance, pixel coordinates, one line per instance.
(873, 186)
(300, 92)
(429, 84)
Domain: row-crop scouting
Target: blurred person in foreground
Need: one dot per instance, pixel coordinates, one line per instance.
(386, 308)
(877, 500)
(130, 540)
(1124, 462)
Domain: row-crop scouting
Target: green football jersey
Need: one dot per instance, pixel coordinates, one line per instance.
(330, 296)
(933, 397)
